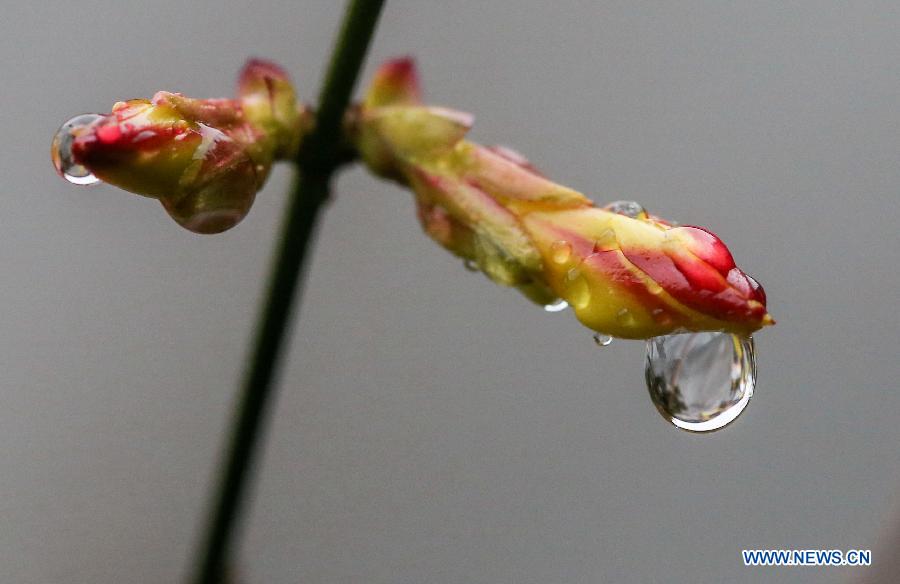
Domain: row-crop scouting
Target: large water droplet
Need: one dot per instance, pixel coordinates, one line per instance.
(61, 150)
(603, 340)
(470, 265)
(627, 208)
(557, 306)
(701, 381)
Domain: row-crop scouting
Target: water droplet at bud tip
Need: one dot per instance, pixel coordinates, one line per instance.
(61, 150)
(701, 382)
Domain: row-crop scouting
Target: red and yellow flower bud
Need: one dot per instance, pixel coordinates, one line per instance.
(204, 159)
(627, 276)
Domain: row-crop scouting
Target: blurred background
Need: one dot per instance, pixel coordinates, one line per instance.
(430, 426)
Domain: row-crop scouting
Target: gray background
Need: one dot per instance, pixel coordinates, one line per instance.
(432, 427)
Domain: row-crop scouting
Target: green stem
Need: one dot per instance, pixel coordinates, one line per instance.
(317, 162)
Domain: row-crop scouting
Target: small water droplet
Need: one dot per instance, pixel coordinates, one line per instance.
(471, 265)
(557, 306)
(560, 251)
(624, 317)
(662, 317)
(605, 241)
(627, 208)
(701, 381)
(577, 291)
(603, 340)
(61, 150)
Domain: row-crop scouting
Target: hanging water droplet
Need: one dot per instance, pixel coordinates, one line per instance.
(470, 265)
(627, 208)
(701, 381)
(603, 340)
(61, 150)
(560, 251)
(557, 306)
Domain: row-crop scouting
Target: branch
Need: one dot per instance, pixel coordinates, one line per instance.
(318, 159)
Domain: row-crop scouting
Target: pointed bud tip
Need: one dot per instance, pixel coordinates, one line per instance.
(395, 83)
(260, 74)
(263, 68)
(399, 68)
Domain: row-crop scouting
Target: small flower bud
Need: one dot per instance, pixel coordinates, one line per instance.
(204, 159)
(395, 83)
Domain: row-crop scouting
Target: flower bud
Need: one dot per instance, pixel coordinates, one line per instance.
(204, 159)
(627, 276)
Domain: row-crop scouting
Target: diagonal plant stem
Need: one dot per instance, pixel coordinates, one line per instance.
(319, 157)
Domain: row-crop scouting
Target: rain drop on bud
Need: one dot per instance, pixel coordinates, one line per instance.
(561, 252)
(61, 150)
(701, 381)
(627, 208)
